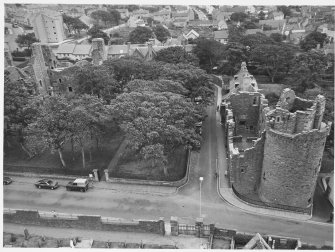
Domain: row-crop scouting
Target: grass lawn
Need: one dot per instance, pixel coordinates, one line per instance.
(50, 162)
(131, 167)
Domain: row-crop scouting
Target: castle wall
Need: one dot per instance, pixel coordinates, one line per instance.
(247, 167)
(290, 167)
(245, 107)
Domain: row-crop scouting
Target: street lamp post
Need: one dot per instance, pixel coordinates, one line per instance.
(200, 179)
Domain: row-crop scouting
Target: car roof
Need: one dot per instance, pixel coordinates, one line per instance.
(80, 180)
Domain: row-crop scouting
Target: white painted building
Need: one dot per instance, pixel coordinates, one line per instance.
(48, 27)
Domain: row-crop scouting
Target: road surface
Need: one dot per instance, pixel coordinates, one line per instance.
(10, 38)
(185, 205)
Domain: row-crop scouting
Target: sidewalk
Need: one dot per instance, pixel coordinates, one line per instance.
(181, 241)
(227, 194)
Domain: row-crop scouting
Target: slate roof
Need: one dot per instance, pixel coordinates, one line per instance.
(117, 49)
(273, 23)
(179, 14)
(220, 34)
(257, 242)
(66, 48)
(82, 49)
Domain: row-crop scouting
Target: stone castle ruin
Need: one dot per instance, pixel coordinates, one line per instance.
(274, 155)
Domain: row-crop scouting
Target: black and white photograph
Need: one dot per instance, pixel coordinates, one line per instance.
(168, 124)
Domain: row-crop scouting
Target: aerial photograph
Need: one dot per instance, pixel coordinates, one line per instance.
(168, 126)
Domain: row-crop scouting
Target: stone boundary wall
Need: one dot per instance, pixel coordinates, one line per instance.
(156, 183)
(88, 222)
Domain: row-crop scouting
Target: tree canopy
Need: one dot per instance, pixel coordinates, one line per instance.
(74, 24)
(140, 35)
(26, 39)
(161, 33)
(312, 40)
(238, 16)
(175, 55)
(96, 32)
(274, 59)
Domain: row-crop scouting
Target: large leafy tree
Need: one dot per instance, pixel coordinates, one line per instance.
(156, 86)
(26, 40)
(253, 40)
(312, 40)
(52, 123)
(96, 32)
(16, 112)
(140, 35)
(285, 9)
(108, 17)
(235, 33)
(175, 55)
(161, 33)
(209, 52)
(274, 59)
(238, 17)
(234, 54)
(307, 69)
(74, 24)
(156, 123)
(96, 80)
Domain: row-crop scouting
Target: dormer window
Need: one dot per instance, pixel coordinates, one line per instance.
(253, 84)
(236, 85)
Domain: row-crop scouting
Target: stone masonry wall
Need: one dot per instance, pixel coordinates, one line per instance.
(92, 222)
(248, 167)
(246, 104)
(290, 167)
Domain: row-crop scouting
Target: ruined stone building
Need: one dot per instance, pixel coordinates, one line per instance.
(274, 156)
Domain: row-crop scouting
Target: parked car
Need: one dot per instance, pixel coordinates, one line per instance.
(46, 184)
(7, 180)
(78, 184)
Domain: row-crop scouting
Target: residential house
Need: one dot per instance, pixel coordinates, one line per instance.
(140, 12)
(221, 25)
(135, 21)
(200, 23)
(147, 52)
(192, 34)
(326, 30)
(250, 9)
(180, 7)
(124, 13)
(163, 16)
(221, 36)
(48, 27)
(118, 51)
(276, 15)
(275, 24)
(257, 242)
(73, 51)
(221, 15)
(233, 9)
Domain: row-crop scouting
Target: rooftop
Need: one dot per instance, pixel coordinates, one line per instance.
(82, 49)
(220, 34)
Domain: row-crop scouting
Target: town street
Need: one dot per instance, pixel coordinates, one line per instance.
(185, 205)
(13, 33)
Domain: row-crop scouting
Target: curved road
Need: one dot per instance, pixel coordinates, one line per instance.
(184, 205)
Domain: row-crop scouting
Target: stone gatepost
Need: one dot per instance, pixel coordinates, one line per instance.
(211, 229)
(106, 174)
(199, 227)
(96, 178)
(174, 226)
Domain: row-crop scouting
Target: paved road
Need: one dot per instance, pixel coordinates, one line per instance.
(185, 204)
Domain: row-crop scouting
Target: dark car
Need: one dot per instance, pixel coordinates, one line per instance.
(46, 184)
(7, 180)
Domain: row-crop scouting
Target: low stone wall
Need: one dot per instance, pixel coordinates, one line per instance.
(89, 222)
(153, 182)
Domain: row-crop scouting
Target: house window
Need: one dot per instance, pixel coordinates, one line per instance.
(278, 118)
(264, 176)
(253, 84)
(70, 89)
(236, 85)
(54, 32)
(40, 83)
(60, 80)
(255, 101)
(251, 127)
(241, 122)
(309, 200)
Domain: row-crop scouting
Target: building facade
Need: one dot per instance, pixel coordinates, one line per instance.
(48, 27)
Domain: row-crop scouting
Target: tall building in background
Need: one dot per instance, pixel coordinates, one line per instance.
(48, 26)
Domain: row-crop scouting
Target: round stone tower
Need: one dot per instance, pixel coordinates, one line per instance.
(293, 149)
